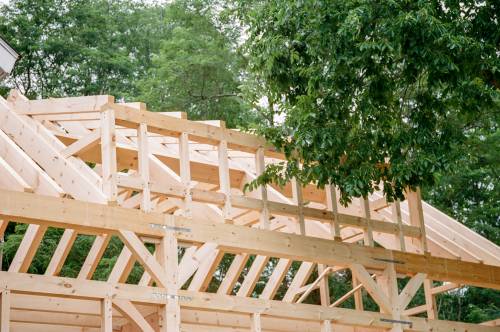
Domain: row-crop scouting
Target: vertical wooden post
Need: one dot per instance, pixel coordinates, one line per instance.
(260, 166)
(5, 310)
(358, 296)
(171, 313)
(108, 155)
(224, 179)
(430, 300)
(255, 323)
(298, 199)
(368, 234)
(396, 217)
(143, 152)
(332, 205)
(185, 172)
(106, 315)
(392, 292)
(417, 216)
(324, 293)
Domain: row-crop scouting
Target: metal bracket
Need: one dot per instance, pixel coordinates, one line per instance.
(395, 321)
(388, 260)
(171, 228)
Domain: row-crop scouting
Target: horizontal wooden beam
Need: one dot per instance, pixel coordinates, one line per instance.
(91, 289)
(61, 212)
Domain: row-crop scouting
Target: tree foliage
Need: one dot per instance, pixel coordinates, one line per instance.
(80, 47)
(197, 69)
(372, 91)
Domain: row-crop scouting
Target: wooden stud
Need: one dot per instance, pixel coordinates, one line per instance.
(27, 249)
(396, 217)
(143, 162)
(169, 259)
(256, 325)
(417, 216)
(108, 155)
(252, 276)
(5, 310)
(430, 300)
(185, 173)
(332, 205)
(63, 248)
(224, 180)
(260, 166)
(131, 312)
(368, 232)
(94, 256)
(106, 315)
(299, 201)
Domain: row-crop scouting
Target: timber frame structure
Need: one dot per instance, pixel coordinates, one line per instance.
(91, 166)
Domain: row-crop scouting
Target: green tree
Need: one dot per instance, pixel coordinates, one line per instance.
(372, 91)
(197, 69)
(80, 47)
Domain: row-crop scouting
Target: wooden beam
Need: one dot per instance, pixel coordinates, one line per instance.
(260, 167)
(234, 271)
(299, 201)
(417, 216)
(396, 217)
(68, 287)
(63, 248)
(168, 255)
(368, 232)
(141, 253)
(106, 315)
(108, 155)
(252, 276)
(5, 310)
(256, 325)
(332, 205)
(410, 290)
(371, 287)
(71, 177)
(185, 173)
(298, 281)
(11, 179)
(84, 144)
(275, 279)
(22, 207)
(143, 155)
(27, 249)
(131, 312)
(94, 256)
(224, 180)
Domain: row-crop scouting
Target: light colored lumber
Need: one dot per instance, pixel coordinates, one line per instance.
(252, 276)
(27, 249)
(106, 315)
(131, 312)
(94, 256)
(143, 162)
(11, 179)
(234, 271)
(83, 144)
(18, 206)
(298, 281)
(108, 155)
(410, 290)
(5, 310)
(141, 253)
(372, 288)
(256, 325)
(62, 250)
(275, 279)
(417, 215)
